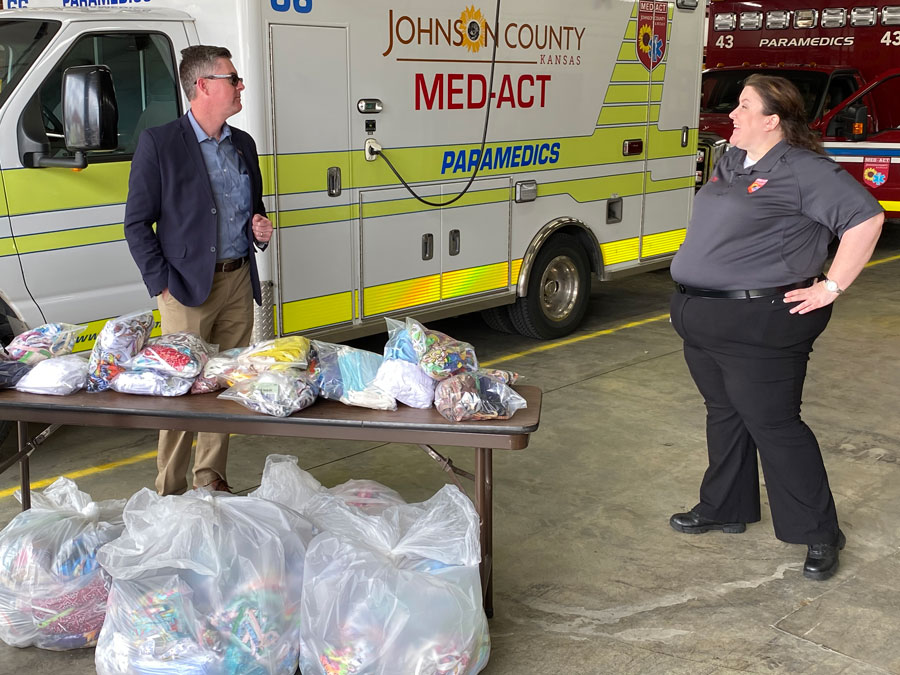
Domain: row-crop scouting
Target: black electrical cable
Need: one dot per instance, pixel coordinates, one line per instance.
(487, 117)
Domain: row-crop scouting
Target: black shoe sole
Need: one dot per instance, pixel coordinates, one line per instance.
(727, 528)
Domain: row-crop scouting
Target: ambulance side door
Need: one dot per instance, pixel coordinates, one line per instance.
(67, 224)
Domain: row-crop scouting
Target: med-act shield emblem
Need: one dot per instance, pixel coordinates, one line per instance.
(876, 171)
(650, 43)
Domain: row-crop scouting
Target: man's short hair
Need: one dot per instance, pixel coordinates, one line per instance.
(196, 62)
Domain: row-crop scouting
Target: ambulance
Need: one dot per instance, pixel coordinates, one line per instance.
(423, 158)
(842, 55)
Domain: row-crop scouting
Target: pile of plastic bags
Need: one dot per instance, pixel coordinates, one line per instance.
(53, 592)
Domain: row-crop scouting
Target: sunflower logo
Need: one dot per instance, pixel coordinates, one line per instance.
(472, 21)
(645, 38)
(869, 174)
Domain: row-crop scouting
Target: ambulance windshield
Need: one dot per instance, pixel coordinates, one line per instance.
(721, 88)
(21, 42)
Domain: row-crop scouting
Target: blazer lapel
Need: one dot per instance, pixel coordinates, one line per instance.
(192, 147)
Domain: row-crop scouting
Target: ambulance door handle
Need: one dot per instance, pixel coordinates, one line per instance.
(454, 242)
(427, 246)
(684, 137)
(633, 146)
(334, 181)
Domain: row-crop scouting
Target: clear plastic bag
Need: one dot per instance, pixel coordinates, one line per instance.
(370, 496)
(204, 583)
(347, 374)
(61, 375)
(117, 342)
(218, 369)
(150, 383)
(44, 342)
(414, 607)
(52, 590)
(277, 393)
(439, 354)
(181, 354)
(288, 351)
(399, 374)
(476, 396)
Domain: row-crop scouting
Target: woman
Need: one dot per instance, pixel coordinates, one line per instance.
(750, 301)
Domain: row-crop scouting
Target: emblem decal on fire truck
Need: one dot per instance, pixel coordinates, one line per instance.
(472, 22)
(651, 38)
(875, 171)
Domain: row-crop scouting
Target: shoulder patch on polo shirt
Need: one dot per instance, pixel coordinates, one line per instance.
(755, 185)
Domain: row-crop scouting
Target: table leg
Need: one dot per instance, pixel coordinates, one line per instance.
(484, 505)
(24, 467)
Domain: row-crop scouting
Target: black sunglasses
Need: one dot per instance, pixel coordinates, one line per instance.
(232, 77)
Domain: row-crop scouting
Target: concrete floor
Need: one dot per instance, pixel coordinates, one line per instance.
(589, 578)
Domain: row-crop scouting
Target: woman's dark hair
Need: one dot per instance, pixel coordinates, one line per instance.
(780, 97)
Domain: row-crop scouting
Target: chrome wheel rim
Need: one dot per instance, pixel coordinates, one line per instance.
(559, 288)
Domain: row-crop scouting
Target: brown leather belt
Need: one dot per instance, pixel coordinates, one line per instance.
(231, 265)
(744, 295)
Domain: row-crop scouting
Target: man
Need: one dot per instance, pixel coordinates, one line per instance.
(198, 180)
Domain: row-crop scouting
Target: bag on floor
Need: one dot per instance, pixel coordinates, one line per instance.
(406, 601)
(52, 590)
(204, 583)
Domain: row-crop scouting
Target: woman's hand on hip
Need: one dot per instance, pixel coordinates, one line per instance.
(810, 298)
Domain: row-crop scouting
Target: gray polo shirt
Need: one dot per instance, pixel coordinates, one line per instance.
(768, 224)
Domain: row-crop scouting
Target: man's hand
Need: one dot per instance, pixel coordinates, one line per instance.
(262, 229)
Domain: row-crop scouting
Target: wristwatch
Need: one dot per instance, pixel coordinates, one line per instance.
(832, 286)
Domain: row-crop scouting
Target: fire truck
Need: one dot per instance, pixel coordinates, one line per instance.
(841, 58)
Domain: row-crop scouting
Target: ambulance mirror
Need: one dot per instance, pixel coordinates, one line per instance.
(850, 123)
(90, 112)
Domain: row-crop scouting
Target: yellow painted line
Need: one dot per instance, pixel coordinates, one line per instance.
(486, 364)
(571, 341)
(81, 473)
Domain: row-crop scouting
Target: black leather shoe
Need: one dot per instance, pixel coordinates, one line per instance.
(693, 523)
(822, 559)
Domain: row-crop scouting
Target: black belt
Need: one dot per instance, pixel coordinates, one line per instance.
(743, 295)
(231, 265)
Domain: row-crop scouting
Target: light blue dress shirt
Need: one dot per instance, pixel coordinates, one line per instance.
(230, 185)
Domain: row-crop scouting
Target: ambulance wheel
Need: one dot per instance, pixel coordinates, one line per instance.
(498, 318)
(558, 291)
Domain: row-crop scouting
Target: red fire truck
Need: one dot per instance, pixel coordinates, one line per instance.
(841, 58)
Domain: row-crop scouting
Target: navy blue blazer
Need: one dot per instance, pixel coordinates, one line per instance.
(169, 186)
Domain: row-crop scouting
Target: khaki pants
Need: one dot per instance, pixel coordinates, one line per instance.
(225, 319)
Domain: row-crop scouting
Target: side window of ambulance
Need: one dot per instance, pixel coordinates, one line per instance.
(144, 76)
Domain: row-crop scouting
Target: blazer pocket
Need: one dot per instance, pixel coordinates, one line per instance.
(174, 251)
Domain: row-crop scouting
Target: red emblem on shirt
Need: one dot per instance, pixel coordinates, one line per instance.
(755, 185)
(714, 179)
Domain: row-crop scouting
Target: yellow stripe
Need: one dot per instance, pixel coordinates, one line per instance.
(36, 485)
(631, 30)
(516, 267)
(401, 294)
(325, 310)
(636, 72)
(890, 206)
(627, 53)
(267, 169)
(7, 246)
(3, 209)
(474, 280)
(624, 114)
(83, 236)
(654, 113)
(39, 190)
(620, 251)
(663, 242)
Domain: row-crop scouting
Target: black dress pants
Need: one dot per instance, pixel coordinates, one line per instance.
(748, 358)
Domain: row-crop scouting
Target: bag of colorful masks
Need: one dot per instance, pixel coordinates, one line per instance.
(52, 590)
(61, 376)
(482, 395)
(43, 342)
(347, 374)
(440, 355)
(407, 600)
(399, 373)
(275, 392)
(117, 343)
(182, 354)
(223, 370)
(288, 351)
(204, 583)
